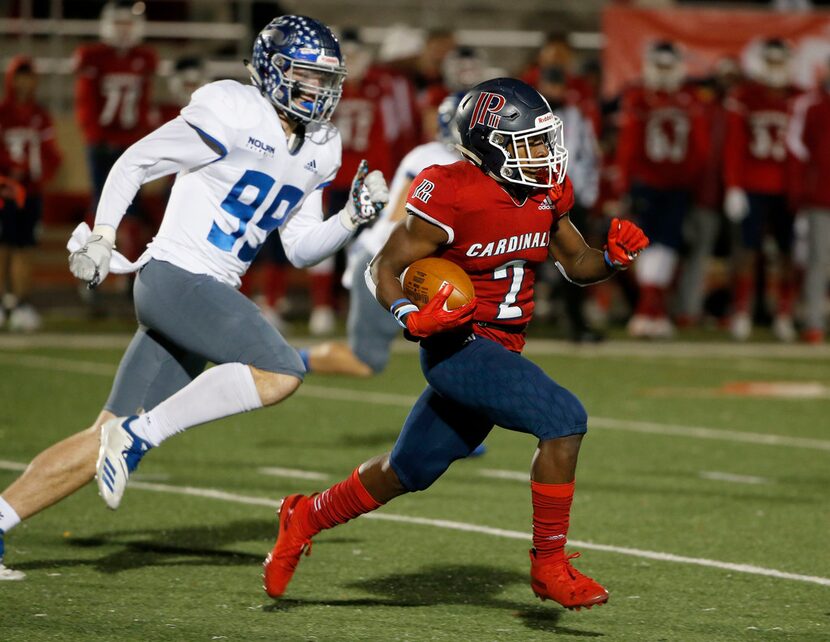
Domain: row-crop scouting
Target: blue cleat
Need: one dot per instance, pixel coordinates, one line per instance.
(479, 451)
(118, 456)
(7, 573)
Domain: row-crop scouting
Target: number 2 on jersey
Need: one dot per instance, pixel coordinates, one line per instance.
(515, 271)
(288, 195)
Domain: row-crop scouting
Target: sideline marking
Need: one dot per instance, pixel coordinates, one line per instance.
(406, 401)
(212, 493)
(731, 477)
(276, 471)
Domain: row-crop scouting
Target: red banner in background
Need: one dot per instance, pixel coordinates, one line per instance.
(707, 35)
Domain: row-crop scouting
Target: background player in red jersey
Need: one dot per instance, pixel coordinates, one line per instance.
(661, 150)
(499, 215)
(27, 139)
(112, 98)
(755, 175)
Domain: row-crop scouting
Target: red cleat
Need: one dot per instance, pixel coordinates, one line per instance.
(281, 562)
(561, 582)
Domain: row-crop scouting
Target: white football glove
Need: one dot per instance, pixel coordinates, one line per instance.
(92, 262)
(735, 204)
(368, 196)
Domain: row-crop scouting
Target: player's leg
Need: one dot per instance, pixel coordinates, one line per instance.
(322, 321)
(748, 233)
(815, 279)
(150, 370)
(515, 393)
(437, 432)
(701, 231)
(24, 317)
(782, 225)
(256, 367)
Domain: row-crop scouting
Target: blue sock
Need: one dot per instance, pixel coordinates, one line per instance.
(305, 355)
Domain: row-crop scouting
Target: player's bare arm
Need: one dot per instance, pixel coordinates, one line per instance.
(411, 240)
(582, 263)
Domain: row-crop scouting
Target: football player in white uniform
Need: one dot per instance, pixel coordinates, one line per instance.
(248, 159)
(370, 328)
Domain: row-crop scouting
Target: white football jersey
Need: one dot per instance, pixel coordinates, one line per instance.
(421, 157)
(220, 213)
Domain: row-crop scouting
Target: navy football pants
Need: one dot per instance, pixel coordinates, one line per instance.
(473, 386)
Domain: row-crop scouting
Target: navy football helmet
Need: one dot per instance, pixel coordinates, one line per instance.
(500, 121)
(297, 65)
(447, 113)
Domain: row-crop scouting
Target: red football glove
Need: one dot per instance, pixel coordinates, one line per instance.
(625, 242)
(434, 318)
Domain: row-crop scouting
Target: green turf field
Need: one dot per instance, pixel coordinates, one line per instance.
(704, 511)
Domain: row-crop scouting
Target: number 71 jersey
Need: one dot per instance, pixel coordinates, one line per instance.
(498, 241)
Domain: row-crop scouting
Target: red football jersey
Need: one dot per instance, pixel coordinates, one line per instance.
(662, 141)
(498, 242)
(755, 156)
(112, 92)
(811, 164)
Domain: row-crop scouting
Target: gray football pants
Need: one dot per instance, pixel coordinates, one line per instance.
(818, 268)
(186, 320)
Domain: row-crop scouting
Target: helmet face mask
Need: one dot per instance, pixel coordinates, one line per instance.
(122, 24)
(535, 157)
(298, 66)
(663, 68)
(508, 130)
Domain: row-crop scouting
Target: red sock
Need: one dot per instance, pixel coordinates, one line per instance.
(786, 297)
(649, 303)
(551, 515)
(276, 283)
(322, 289)
(340, 503)
(742, 296)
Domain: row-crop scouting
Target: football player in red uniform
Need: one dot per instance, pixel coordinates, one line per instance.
(661, 149)
(27, 139)
(499, 214)
(112, 96)
(809, 142)
(755, 175)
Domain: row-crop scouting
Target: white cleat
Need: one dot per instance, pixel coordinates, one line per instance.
(783, 328)
(639, 326)
(322, 322)
(118, 456)
(740, 326)
(24, 318)
(10, 575)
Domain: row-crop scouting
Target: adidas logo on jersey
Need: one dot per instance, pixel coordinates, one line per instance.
(547, 204)
(311, 165)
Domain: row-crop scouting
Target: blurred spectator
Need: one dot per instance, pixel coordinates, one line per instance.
(582, 91)
(463, 67)
(583, 170)
(32, 158)
(660, 156)
(756, 179)
(704, 221)
(188, 75)
(112, 94)
(809, 142)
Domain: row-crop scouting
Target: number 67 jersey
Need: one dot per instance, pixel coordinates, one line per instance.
(498, 241)
(221, 212)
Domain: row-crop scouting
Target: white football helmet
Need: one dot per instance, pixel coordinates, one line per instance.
(663, 67)
(122, 24)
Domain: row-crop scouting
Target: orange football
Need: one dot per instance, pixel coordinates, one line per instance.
(422, 280)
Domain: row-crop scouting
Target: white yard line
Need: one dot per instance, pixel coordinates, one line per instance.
(406, 401)
(293, 473)
(512, 475)
(731, 477)
(674, 349)
(212, 493)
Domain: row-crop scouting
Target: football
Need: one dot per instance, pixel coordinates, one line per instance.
(422, 280)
